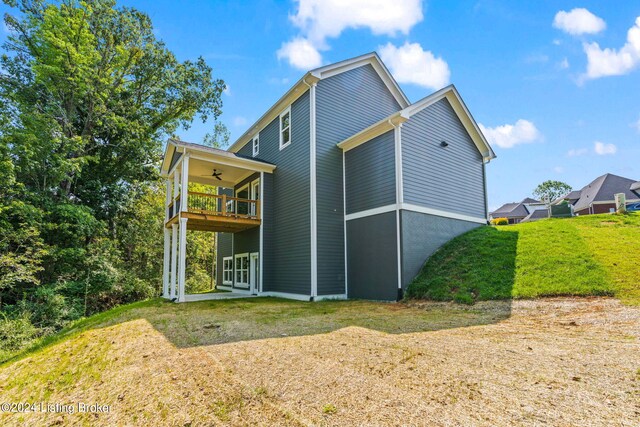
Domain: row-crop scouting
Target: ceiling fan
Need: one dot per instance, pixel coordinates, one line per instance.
(215, 174)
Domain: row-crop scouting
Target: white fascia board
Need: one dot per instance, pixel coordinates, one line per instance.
(166, 160)
(453, 96)
(377, 64)
(315, 75)
(236, 162)
(376, 129)
(296, 91)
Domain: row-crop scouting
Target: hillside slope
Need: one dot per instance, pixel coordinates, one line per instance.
(589, 255)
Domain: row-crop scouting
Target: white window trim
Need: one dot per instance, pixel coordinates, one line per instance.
(227, 282)
(241, 284)
(253, 195)
(246, 186)
(255, 143)
(287, 110)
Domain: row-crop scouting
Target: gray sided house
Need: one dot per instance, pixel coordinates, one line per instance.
(342, 189)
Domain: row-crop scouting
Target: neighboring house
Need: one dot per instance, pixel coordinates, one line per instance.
(528, 209)
(342, 189)
(598, 196)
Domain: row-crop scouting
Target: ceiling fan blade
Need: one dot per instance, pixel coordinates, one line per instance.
(218, 176)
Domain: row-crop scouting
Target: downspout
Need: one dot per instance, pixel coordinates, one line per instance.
(313, 188)
(399, 198)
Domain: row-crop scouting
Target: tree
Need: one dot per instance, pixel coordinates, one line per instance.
(550, 190)
(219, 138)
(87, 96)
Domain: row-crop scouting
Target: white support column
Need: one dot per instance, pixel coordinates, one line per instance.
(182, 260)
(174, 260)
(313, 203)
(184, 190)
(166, 262)
(260, 256)
(167, 243)
(167, 199)
(176, 183)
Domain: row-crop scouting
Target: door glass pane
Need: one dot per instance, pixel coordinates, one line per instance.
(243, 207)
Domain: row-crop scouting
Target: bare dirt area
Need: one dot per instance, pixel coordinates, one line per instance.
(560, 362)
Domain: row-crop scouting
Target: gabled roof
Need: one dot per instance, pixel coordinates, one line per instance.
(603, 188)
(315, 75)
(451, 94)
(510, 210)
(175, 148)
(536, 215)
(529, 200)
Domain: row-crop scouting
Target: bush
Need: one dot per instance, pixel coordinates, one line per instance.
(16, 333)
(46, 309)
(500, 221)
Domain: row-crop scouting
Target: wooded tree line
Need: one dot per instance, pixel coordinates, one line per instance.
(87, 97)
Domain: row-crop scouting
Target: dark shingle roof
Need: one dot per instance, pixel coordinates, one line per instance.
(536, 215)
(603, 188)
(510, 210)
(530, 200)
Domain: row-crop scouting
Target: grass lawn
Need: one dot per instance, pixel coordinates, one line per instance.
(266, 361)
(587, 256)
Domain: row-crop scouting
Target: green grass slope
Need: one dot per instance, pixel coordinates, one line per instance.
(588, 255)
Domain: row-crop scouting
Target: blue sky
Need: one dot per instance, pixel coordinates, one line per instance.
(555, 84)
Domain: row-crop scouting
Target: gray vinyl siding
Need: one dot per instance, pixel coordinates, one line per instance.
(372, 258)
(422, 235)
(224, 244)
(247, 149)
(345, 104)
(370, 174)
(450, 178)
(246, 241)
(286, 206)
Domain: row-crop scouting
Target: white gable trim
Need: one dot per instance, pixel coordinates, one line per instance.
(313, 77)
(452, 95)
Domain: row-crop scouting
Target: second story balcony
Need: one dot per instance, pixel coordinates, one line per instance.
(214, 212)
(222, 174)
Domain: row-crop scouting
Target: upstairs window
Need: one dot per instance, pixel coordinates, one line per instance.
(256, 145)
(285, 128)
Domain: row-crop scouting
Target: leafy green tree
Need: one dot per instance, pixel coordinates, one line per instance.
(87, 96)
(219, 138)
(549, 190)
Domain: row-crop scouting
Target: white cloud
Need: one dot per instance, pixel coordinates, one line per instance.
(564, 64)
(602, 149)
(538, 58)
(558, 169)
(508, 136)
(578, 21)
(300, 53)
(575, 152)
(239, 121)
(410, 63)
(636, 125)
(227, 90)
(319, 20)
(556, 42)
(612, 62)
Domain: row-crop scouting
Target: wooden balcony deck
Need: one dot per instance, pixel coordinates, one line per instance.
(218, 213)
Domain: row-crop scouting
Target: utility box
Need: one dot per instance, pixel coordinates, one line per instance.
(563, 210)
(621, 202)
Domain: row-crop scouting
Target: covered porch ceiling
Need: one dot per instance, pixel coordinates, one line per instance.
(231, 167)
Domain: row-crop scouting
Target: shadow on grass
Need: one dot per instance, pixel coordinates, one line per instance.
(226, 321)
(483, 268)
